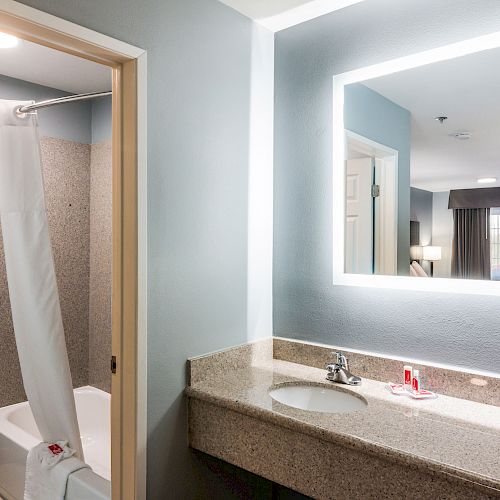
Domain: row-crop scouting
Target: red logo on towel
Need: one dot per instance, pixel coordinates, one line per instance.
(55, 449)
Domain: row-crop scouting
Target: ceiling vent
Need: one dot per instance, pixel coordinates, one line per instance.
(461, 136)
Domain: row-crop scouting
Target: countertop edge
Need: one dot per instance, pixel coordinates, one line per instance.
(352, 442)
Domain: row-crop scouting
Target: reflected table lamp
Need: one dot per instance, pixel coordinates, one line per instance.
(432, 254)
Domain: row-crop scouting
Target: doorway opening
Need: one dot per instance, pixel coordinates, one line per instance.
(128, 221)
(371, 228)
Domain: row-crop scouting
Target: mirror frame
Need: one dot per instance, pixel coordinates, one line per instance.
(443, 285)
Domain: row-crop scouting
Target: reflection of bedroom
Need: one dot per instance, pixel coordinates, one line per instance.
(433, 224)
(454, 164)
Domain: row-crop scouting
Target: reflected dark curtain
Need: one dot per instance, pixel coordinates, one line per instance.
(470, 255)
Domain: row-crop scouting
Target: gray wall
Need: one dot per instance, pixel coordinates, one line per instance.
(70, 121)
(375, 117)
(199, 67)
(458, 329)
(88, 122)
(421, 211)
(442, 232)
(101, 119)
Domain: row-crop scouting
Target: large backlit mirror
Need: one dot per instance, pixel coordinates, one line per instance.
(421, 168)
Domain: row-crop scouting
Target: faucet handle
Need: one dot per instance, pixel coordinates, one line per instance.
(341, 360)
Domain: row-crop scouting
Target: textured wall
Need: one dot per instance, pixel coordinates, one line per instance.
(11, 385)
(100, 266)
(364, 112)
(67, 187)
(458, 329)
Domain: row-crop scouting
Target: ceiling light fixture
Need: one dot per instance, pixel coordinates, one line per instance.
(8, 41)
(486, 180)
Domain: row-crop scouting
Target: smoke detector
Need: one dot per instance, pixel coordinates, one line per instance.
(461, 136)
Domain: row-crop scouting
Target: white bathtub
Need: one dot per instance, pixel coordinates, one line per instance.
(18, 433)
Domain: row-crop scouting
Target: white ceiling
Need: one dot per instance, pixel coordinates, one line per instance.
(277, 15)
(258, 9)
(35, 63)
(467, 90)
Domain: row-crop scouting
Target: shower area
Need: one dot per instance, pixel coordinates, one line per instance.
(76, 160)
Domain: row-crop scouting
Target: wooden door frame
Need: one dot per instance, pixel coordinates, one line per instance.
(129, 301)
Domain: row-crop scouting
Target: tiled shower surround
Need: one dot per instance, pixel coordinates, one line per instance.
(78, 195)
(100, 266)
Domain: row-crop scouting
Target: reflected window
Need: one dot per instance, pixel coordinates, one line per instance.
(495, 243)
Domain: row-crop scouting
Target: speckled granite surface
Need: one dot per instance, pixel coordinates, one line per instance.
(315, 467)
(447, 437)
(100, 265)
(66, 178)
(459, 384)
(229, 360)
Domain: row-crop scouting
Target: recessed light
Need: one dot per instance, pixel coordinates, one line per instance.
(486, 180)
(8, 41)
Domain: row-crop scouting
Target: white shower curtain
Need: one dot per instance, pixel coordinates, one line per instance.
(34, 297)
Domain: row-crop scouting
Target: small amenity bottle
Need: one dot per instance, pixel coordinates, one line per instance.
(408, 377)
(416, 381)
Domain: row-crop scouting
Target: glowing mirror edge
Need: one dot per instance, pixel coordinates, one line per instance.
(438, 285)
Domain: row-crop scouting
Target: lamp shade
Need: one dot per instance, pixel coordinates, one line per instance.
(416, 252)
(431, 253)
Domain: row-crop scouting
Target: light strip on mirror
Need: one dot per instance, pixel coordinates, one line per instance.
(439, 54)
(442, 285)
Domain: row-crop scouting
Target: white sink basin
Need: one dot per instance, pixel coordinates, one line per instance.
(318, 398)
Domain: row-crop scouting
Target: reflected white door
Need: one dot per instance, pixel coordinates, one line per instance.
(359, 216)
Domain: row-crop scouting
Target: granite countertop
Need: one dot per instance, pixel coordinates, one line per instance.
(448, 435)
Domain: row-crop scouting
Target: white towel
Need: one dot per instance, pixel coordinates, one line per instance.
(412, 271)
(48, 467)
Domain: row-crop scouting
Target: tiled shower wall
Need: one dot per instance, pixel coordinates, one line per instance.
(100, 266)
(78, 195)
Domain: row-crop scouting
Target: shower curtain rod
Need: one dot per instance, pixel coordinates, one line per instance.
(61, 100)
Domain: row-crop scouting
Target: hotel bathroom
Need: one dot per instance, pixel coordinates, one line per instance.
(70, 148)
(250, 249)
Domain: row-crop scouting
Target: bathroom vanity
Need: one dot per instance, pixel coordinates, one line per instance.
(384, 239)
(382, 446)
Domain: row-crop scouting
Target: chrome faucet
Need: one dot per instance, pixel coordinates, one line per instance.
(339, 371)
